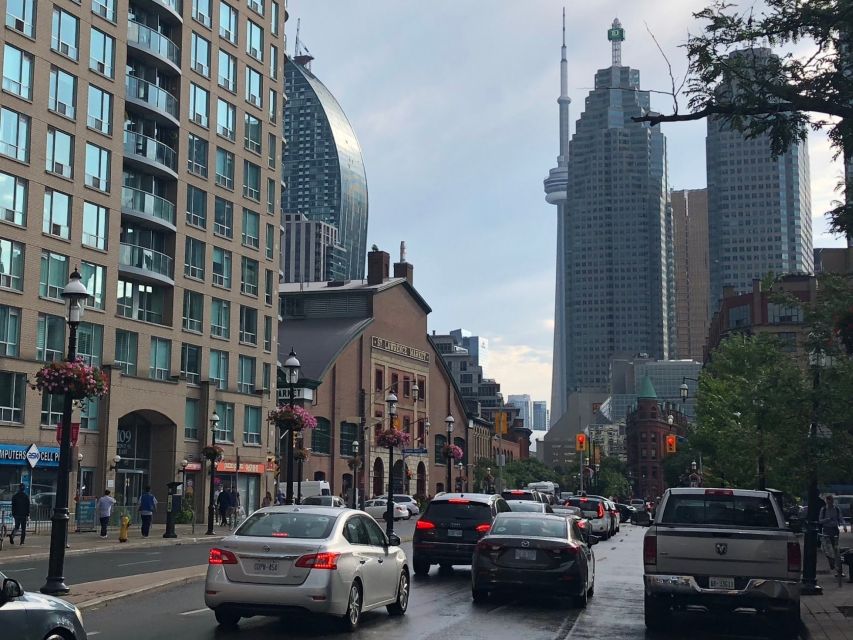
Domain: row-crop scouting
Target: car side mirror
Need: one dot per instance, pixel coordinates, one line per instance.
(394, 540)
(591, 539)
(11, 589)
(795, 524)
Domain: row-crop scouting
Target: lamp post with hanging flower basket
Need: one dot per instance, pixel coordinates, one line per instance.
(391, 438)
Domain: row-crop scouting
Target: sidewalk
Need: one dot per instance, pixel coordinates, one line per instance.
(829, 616)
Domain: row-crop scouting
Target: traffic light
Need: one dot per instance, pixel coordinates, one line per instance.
(670, 443)
(580, 442)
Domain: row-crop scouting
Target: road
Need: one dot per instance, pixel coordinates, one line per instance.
(440, 609)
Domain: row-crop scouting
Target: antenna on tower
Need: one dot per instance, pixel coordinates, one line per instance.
(296, 46)
(564, 26)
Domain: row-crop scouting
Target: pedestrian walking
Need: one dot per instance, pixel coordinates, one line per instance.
(267, 501)
(147, 506)
(104, 509)
(223, 503)
(831, 522)
(235, 506)
(20, 513)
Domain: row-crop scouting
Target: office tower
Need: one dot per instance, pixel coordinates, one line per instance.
(759, 206)
(148, 161)
(540, 415)
(525, 407)
(310, 251)
(323, 167)
(615, 284)
(692, 275)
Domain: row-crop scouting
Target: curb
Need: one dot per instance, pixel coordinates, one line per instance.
(118, 547)
(155, 586)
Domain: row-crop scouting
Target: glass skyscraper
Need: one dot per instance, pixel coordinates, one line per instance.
(323, 168)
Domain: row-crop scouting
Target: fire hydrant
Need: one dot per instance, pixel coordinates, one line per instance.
(125, 525)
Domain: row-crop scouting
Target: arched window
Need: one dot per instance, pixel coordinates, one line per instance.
(319, 475)
(440, 441)
(321, 437)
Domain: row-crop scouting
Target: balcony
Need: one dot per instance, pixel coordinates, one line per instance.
(148, 209)
(174, 7)
(159, 102)
(142, 263)
(154, 46)
(150, 155)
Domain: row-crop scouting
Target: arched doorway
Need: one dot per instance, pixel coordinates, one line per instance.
(420, 485)
(378, 476)
(399, 476)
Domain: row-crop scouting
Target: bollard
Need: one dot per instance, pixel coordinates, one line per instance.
(173, 506)
(124, 528)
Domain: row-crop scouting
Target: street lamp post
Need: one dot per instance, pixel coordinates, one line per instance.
(391, 401)
(211, 508)
(355, 465)
(291, 368)
(75, 294)
(449, 420)
(809, 586)
(489, 480)
(460, 466)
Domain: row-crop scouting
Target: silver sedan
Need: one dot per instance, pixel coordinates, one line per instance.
(25, 615)
(316, 559)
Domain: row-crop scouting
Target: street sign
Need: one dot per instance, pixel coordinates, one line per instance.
(415, 452)
(33, 455)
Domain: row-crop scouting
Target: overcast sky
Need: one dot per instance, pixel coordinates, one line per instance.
(454, 103)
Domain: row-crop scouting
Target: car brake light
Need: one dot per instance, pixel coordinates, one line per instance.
(322, 560)
(516, 492)
(221, 556)
(794, 556)
(582, 524)
(424, 524)
(483, 528)
(650, 550)
(485, 546)
(600, 510)
(719, 492)
(584, 499)
(570, 550)
(458, 501)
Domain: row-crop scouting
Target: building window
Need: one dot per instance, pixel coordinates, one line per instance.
(440, 441)
(93, 277)
(226, 119)
(379, 381)
(254, 87)
(321, 437)
(252, 425)
(197, 155)
(272, 188)
(193, 317)
(160, 366)
(200, 54)
(221, 267)
(349, 434)
(10, 331)
(194, 258)
(50, 337)
(266, 377)
(191, 363)
(14, 207)
(11, 265)
(99, 110)
(228, 22)
(254, 40)
(784, 314)
(220, 318)
(223, 222)
(274, 62)
(21, 16)
(269, 286)
(739, 316)
(17, 72)
(246, 374)
(14, 135)
(12, 389)
(59, 155)
(218, 373)
(57, 214)
(257, 6)
(199, 105)
(251, 228)
(140, 301)
(227, 74)
(273, 106)
(97, 167)
(249, 276)
(54, 275)
(395, 383)
(248, 325)
(271, 151)
(126, 351)
(191, 419)
(275, 17)
(90, 343)
(105, 8)
(225, 427)
(251, 180)
(267, 333)
(251, 133)
(62, 93)
(95, 226)
(201, 12)
(51, 409)
(196, 207)
(224, 168)
(65, 34)
(102, 53)
(269, 249)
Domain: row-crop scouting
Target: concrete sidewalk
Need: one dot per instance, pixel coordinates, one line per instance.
(829, 616)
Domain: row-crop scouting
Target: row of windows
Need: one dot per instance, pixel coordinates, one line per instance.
(220, 320)
(225, 431)
(223, 221)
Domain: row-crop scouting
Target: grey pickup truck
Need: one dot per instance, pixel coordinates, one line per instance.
(721, 550)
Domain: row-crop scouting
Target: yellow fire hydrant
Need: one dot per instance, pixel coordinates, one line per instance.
(125, 526)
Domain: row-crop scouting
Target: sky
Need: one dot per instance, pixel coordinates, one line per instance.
(454, 103)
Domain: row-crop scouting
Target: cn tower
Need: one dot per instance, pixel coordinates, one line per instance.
(556, 193)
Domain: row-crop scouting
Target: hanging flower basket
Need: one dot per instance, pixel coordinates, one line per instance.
(212, 453)
(300, 454)
(293, 417)
(452, 451)
(77, 378)
(408, 473)
(354, 462)
(392, 438)
(844, 329)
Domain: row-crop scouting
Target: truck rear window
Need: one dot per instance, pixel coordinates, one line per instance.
(719, 510)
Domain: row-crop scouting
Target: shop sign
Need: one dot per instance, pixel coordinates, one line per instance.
(223, 466)
(193, 466)
(400, 349)
(18, 454)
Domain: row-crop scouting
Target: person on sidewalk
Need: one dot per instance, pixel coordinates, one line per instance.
(267, 501)
(104, 509)
(831, 522)
(20, 513)
(223, 502)
(235, 507)
(147, 506)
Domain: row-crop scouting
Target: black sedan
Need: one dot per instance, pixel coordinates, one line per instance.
(529, 551)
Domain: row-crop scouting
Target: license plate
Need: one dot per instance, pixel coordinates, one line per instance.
(266, 567)
(721, 583)
(454, 533)
(525, 554)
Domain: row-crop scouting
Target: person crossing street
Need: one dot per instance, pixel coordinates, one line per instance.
(20, 513)
(831, 522)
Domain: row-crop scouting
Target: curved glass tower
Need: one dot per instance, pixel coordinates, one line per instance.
(323, 168)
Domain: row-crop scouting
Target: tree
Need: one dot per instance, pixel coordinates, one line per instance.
(519, 473)
(785, 96)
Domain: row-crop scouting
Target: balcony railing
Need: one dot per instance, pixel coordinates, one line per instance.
(152, 95)
(131, 255)
(147, 204)
(151, 149)
(154, 41)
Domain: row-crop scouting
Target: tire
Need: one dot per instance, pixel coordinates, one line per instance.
(420, 566)
(788, 623)
(56, 635)
(591, 591)
(402, 603)
(350, 619)
(580, 601)
(479, 596)
(657, 614)
(226, 618)
(445, 568)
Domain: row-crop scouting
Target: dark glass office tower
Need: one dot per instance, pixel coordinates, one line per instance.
(323, 167)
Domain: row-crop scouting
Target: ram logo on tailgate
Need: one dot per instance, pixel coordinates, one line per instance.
(722, 548)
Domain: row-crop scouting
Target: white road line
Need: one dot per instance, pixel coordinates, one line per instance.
(92, 633)
(20, 570)
(191, 613)
(128, 564)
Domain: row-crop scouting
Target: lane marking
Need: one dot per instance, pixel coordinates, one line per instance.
(93, 633)
(129, 564)
(20, 570)
(195, 611)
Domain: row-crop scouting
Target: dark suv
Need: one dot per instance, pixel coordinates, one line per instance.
(450, 527)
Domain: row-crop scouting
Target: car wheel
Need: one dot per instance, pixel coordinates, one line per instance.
(402, 603)
(420, 566)
(445, 568)
(479, 596)
(353, 613)
(788, 623)
(591, 591)
(408, 515)
(581, 600)
(55, 635)
(226, 618)
(657, 613)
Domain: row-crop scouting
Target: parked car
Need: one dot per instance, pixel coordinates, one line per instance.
(625, 512)
(409, 502)
(528, 506)
(450, 526)
(600, 519)
(378, 508)
(342, 554)
(324, 501)
(611, 509)
(533, 552)
(26, 615)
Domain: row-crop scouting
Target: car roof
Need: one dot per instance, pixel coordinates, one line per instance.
(522, 514)
(698, 491)
(525, 502)
(314, 509)
(474, 497)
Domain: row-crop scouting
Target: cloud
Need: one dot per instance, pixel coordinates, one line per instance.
(520, 368)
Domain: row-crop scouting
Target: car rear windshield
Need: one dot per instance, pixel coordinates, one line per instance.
(526, 506)
(458, 511)
(517, 494)
(719, 510)
(323, 500)
(533, 527)
(269, 524)
(588, 506)
(402, 499)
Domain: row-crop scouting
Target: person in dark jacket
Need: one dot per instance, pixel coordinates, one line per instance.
(223, 502)
(21, 513)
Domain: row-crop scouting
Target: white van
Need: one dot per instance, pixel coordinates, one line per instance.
(309, 488)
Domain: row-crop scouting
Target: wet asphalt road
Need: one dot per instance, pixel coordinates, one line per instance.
(440, 609)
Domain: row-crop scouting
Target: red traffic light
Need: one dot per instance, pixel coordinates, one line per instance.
(580, 442)
(670, 444)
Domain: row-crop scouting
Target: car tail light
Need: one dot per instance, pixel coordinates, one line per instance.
(221, 556)
(719, 492)
(794, 556)
(459, 501)
(517, 492)
(483, 528)
(582, 524)
(600, 510)
(484, 546)
(424, 525)
(323, 560)
(650, 550)
(570, 550)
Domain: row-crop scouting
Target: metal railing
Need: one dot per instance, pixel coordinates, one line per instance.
(154, 41)
(132, 255)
